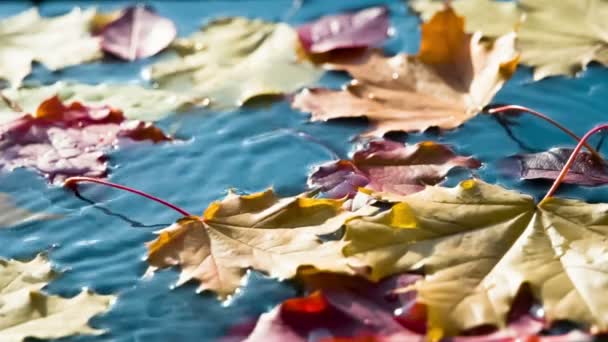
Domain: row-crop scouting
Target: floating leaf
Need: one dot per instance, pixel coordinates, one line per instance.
(62, 141)
(235, 59)
(556, 38)
(11, 215)
(259, 231)
(351, 310)
(138, 33)
(493, 18)
(561, 38)
(448, 82)
(479, 243)
(366, 28)
(136, 102)
(586, 169)
(388, 166)
(55, 42)
(28, 313)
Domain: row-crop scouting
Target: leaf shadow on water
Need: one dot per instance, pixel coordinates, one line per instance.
(109, 212)
(507, 124)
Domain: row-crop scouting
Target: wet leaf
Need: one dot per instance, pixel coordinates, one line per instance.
(366, 28)
(349, 309)
(498, 18)
(388, 166)
(136, 102)
(55, 42)
(233, 60)
(547, 165)
(138, 33)
(259, 231)
(478, 244)
(342, 309)
(26, 312)
(60, 141)
(453, 76)
(561, 38)
(12, 215)
(556, 37)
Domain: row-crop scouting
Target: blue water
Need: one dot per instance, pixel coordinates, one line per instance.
(99, 243)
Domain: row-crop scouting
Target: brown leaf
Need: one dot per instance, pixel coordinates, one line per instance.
(260, 231)
(453, 76)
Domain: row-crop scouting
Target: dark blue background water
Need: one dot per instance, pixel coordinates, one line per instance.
(99, 243)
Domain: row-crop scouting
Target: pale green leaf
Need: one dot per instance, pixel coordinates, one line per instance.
(478, 244)
(136, 102)
(26, 312)
(562, 37)
(55, 42)
(235, 59)
(491, 17)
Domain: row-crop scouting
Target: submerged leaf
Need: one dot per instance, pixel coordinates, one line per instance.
(11, 215)
(55, 42)
(136, 102)
(25, 312)
(363, 29)
(138, 33)
(62, 141)
(234, 60)
(450, 80)
(478, 244)
(260, 231)
(586, 169)
(388, 166)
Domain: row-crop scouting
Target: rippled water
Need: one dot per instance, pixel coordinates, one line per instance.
(99, 243)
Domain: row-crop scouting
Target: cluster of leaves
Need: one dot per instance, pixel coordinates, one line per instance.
(382, 251)
(555, 37)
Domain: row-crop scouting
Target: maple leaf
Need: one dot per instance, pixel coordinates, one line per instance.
(55, 42)
(561, 38)
(259, 231)
(137, 33)
(12, 215)
(366, 28)
(478, 243)
(136, 102)
(235, 59)
(504, 14)
(389, 166)
(547, 165)
(349, 308)
(450, 80)
(26, 312)
(62, 141)
(554, 37)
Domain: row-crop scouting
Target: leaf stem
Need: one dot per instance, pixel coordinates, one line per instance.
(506, 109)
(568, 165)
(73, 181)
